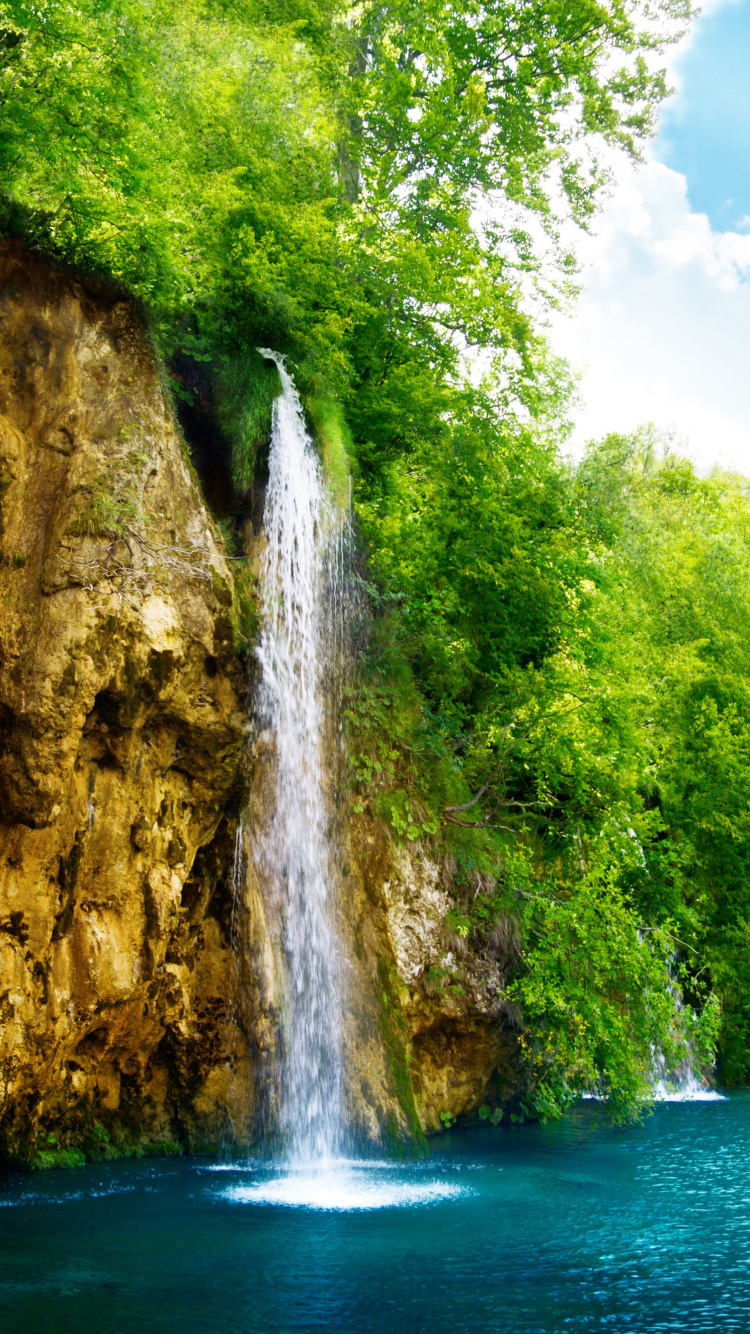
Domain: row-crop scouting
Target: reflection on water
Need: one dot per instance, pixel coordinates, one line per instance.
(531, 1230)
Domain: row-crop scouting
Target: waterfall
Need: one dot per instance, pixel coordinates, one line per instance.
(680, 1082)
(680, 1085)
(299, 569)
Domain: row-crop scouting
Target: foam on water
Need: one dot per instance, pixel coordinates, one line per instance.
(665, 1092)
(344, 1187)
(682, 1084)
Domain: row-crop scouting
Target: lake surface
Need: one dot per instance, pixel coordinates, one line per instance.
(529, 1230)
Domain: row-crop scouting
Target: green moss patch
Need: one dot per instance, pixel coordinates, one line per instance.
(96, 1146)
(393, 1030)
(45, 1160)
(336, 446)
(246, 388)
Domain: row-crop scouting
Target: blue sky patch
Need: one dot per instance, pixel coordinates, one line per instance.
(705, 129)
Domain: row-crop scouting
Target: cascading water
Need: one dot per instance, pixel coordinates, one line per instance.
(302, 536)
(309, 609)
(679, 1083)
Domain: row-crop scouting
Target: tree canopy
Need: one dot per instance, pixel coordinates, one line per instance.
(555, 693)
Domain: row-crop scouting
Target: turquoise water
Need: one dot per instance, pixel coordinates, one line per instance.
(529, 1230)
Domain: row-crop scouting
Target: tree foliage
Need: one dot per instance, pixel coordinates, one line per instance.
(556, 688)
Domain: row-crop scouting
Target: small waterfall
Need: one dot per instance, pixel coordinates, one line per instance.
(680, 1085)
(680, 1082)
(300, 582)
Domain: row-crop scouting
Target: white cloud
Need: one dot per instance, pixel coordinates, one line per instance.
(662, 330)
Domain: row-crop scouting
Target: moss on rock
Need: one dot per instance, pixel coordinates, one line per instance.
(395, 1035)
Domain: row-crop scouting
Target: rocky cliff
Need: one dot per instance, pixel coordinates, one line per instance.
(137, 1002)
(442, 1010)
(121, 735)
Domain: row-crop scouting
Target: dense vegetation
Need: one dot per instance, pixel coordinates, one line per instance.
(556, 689)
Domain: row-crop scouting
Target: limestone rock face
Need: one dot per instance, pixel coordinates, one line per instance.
(444, 1034)
(121, 731)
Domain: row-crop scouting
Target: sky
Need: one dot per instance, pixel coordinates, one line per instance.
(661, 332)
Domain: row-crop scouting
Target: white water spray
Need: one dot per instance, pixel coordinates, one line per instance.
(302, 539)
(682, 1085)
